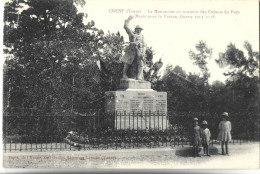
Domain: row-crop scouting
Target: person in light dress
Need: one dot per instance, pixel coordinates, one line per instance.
(224, 134)
(205, 137)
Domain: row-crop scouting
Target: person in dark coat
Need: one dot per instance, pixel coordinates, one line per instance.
(196, 137)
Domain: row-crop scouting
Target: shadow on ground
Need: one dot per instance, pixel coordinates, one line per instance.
(188, 151)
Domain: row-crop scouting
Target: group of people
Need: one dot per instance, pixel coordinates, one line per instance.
(201, 135)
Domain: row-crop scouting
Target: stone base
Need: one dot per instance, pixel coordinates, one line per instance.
(136, 101)
(140, 109)
(127, 84)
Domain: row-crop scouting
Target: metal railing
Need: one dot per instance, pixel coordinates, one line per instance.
(95, 130)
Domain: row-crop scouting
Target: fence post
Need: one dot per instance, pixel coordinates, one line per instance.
(133, 127)
(174, 139)
(124, 135)
(129, 120)
(10, 144)
(158, 115)
(30, 142)
(26, 133)
(70, 141)
(167, 128)
(124, 120)
(154, 121)
(129, 131)
(60, 142)
(94, 125)
(56, 147)
(141, 117)
(133, 120)
(41, 143)
(21, 144)
(84, 137)
(36, 143)
(51, 141)
(162, 119)
(120, 120)
(163, 132)
(14, 146)
(5, 130)
(142, 132)
(107, 127)
(158, 131)
(145, 123)
(46, 138)
(116, 129)
(98, 117)
(149, 119)
(137, 115)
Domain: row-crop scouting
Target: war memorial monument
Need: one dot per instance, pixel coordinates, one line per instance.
(135, 104)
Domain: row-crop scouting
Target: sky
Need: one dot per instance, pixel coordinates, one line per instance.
(175, 31)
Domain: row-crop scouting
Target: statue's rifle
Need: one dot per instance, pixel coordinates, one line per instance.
(165, 50)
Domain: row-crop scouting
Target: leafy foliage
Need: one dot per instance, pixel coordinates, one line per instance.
(238, 63)
(243, 75)
(51, 50)
(200, 59)
(183, 91)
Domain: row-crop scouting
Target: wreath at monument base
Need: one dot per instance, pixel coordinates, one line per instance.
(74, 139)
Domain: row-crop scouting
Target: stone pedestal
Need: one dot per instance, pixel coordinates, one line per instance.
(136, 105)
(136, 101)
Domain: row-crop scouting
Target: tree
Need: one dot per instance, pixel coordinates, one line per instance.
(243, 75)
(51, 62)
(178, 70)
(238, 63)
(48, 38)
(220, 97)
(183, 91)
(109, 59)
(200, 59)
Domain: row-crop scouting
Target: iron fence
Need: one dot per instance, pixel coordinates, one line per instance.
(96, 130)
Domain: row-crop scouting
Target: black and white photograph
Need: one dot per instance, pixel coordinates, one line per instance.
(120, 84)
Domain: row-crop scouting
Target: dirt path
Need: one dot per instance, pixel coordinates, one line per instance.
(241, 156)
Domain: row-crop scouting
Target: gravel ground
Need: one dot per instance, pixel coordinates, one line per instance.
(241, 157)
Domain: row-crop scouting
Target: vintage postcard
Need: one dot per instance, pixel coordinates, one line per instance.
(141, 84)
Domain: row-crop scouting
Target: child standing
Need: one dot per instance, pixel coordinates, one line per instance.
(224, 132)
(196, 137)
(205, 137)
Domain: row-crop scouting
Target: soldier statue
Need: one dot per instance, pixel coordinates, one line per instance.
(135, 50)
